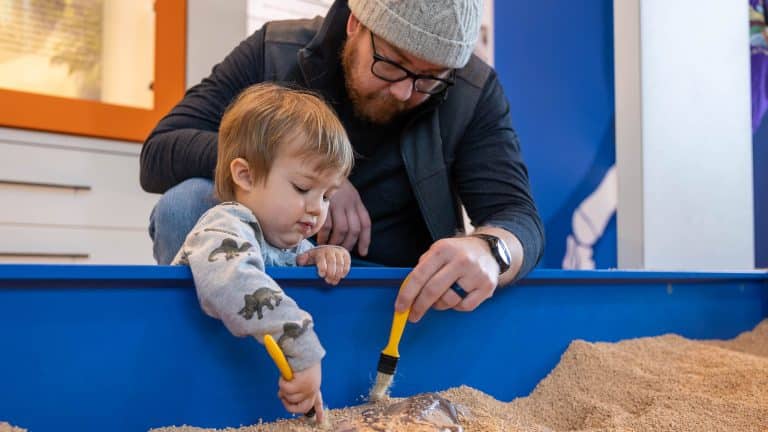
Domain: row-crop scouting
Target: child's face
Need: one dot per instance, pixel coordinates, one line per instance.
(292, 203)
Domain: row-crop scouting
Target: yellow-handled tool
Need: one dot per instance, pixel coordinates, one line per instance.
(389, 355)
(274, 351)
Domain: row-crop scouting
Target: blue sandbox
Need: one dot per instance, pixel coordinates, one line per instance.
(127, 348)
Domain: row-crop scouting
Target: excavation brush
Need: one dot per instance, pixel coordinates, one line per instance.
(389, 356)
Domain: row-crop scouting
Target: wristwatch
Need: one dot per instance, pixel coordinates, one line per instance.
(498, 248)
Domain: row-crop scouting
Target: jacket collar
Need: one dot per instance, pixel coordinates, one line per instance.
(320, 60)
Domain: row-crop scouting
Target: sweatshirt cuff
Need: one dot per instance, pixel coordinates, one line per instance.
(305, 351)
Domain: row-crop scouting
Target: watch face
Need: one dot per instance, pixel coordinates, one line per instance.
(503, 254)
(499, 251)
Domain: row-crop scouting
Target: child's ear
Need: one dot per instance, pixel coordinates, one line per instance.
(241, 174)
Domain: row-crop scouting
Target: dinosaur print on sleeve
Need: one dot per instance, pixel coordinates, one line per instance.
(230, 249)
(262, 297)
(291, 330)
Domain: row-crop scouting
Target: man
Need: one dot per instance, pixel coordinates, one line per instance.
(429, 123)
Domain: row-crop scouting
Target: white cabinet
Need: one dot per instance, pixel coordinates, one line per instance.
(72, 200)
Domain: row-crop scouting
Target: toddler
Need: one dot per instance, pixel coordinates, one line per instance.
(282, 153)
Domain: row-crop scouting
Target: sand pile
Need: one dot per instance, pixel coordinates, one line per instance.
(751, 342)
(665, 383)
(5, 427)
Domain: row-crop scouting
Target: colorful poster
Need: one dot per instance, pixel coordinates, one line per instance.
(758, 45)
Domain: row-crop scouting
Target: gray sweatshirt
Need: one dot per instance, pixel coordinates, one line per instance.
(227, 253)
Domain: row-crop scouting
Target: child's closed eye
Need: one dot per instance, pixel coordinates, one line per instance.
(300, 189)
(328, 195)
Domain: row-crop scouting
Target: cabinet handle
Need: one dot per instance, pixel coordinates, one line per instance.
(45, 185)
(74, 255)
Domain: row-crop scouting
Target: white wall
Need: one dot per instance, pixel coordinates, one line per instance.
(684, 150)
(214, 28)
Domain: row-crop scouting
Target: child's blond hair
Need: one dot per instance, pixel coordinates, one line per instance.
(265, 117)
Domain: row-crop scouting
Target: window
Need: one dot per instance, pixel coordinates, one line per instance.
(108, 68)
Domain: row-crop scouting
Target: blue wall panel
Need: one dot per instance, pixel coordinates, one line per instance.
(555, 61)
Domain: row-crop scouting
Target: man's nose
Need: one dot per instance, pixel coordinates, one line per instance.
(402, 90)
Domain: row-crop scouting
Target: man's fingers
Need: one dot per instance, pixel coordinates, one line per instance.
(435, 288)
(353, 224)
(441, 305)
(364, 239)
(475, 298)
(428, 265)
(340, 226)
(325, 231)
(449, 300)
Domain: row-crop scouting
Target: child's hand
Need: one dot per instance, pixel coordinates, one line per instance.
(302, 393)
(332, 262)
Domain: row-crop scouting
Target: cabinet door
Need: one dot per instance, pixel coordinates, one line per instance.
(63, 186)
(44, 244)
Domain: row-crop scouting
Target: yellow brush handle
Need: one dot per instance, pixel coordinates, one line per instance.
(398, 325)
(274, 351)
(278, 357)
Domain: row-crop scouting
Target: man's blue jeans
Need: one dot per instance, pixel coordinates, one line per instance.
(176, 213)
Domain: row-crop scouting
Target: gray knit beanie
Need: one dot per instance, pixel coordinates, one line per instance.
(443, 32)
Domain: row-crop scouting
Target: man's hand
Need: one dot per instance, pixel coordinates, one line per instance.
(302, 393)
(466, 261)
(348, 222)
(332, 262)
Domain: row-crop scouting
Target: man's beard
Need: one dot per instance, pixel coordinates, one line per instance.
(379, 107)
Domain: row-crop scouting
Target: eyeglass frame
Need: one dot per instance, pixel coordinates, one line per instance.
(448, 81)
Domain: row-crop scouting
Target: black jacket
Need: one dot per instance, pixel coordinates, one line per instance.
(457, 149)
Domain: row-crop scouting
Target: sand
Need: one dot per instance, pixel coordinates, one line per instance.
(5, 427)
(666, 383)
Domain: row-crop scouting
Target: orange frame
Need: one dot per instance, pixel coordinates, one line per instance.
(82, 117)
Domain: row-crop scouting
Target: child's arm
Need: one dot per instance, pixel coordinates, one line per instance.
(332, 262)
(228, 269)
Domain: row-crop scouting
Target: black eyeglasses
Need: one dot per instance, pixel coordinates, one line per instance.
(390, 71)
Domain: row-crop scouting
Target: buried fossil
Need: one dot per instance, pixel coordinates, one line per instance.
(428, 412)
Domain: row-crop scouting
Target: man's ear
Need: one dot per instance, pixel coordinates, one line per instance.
(353, 25)
(241, 174)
